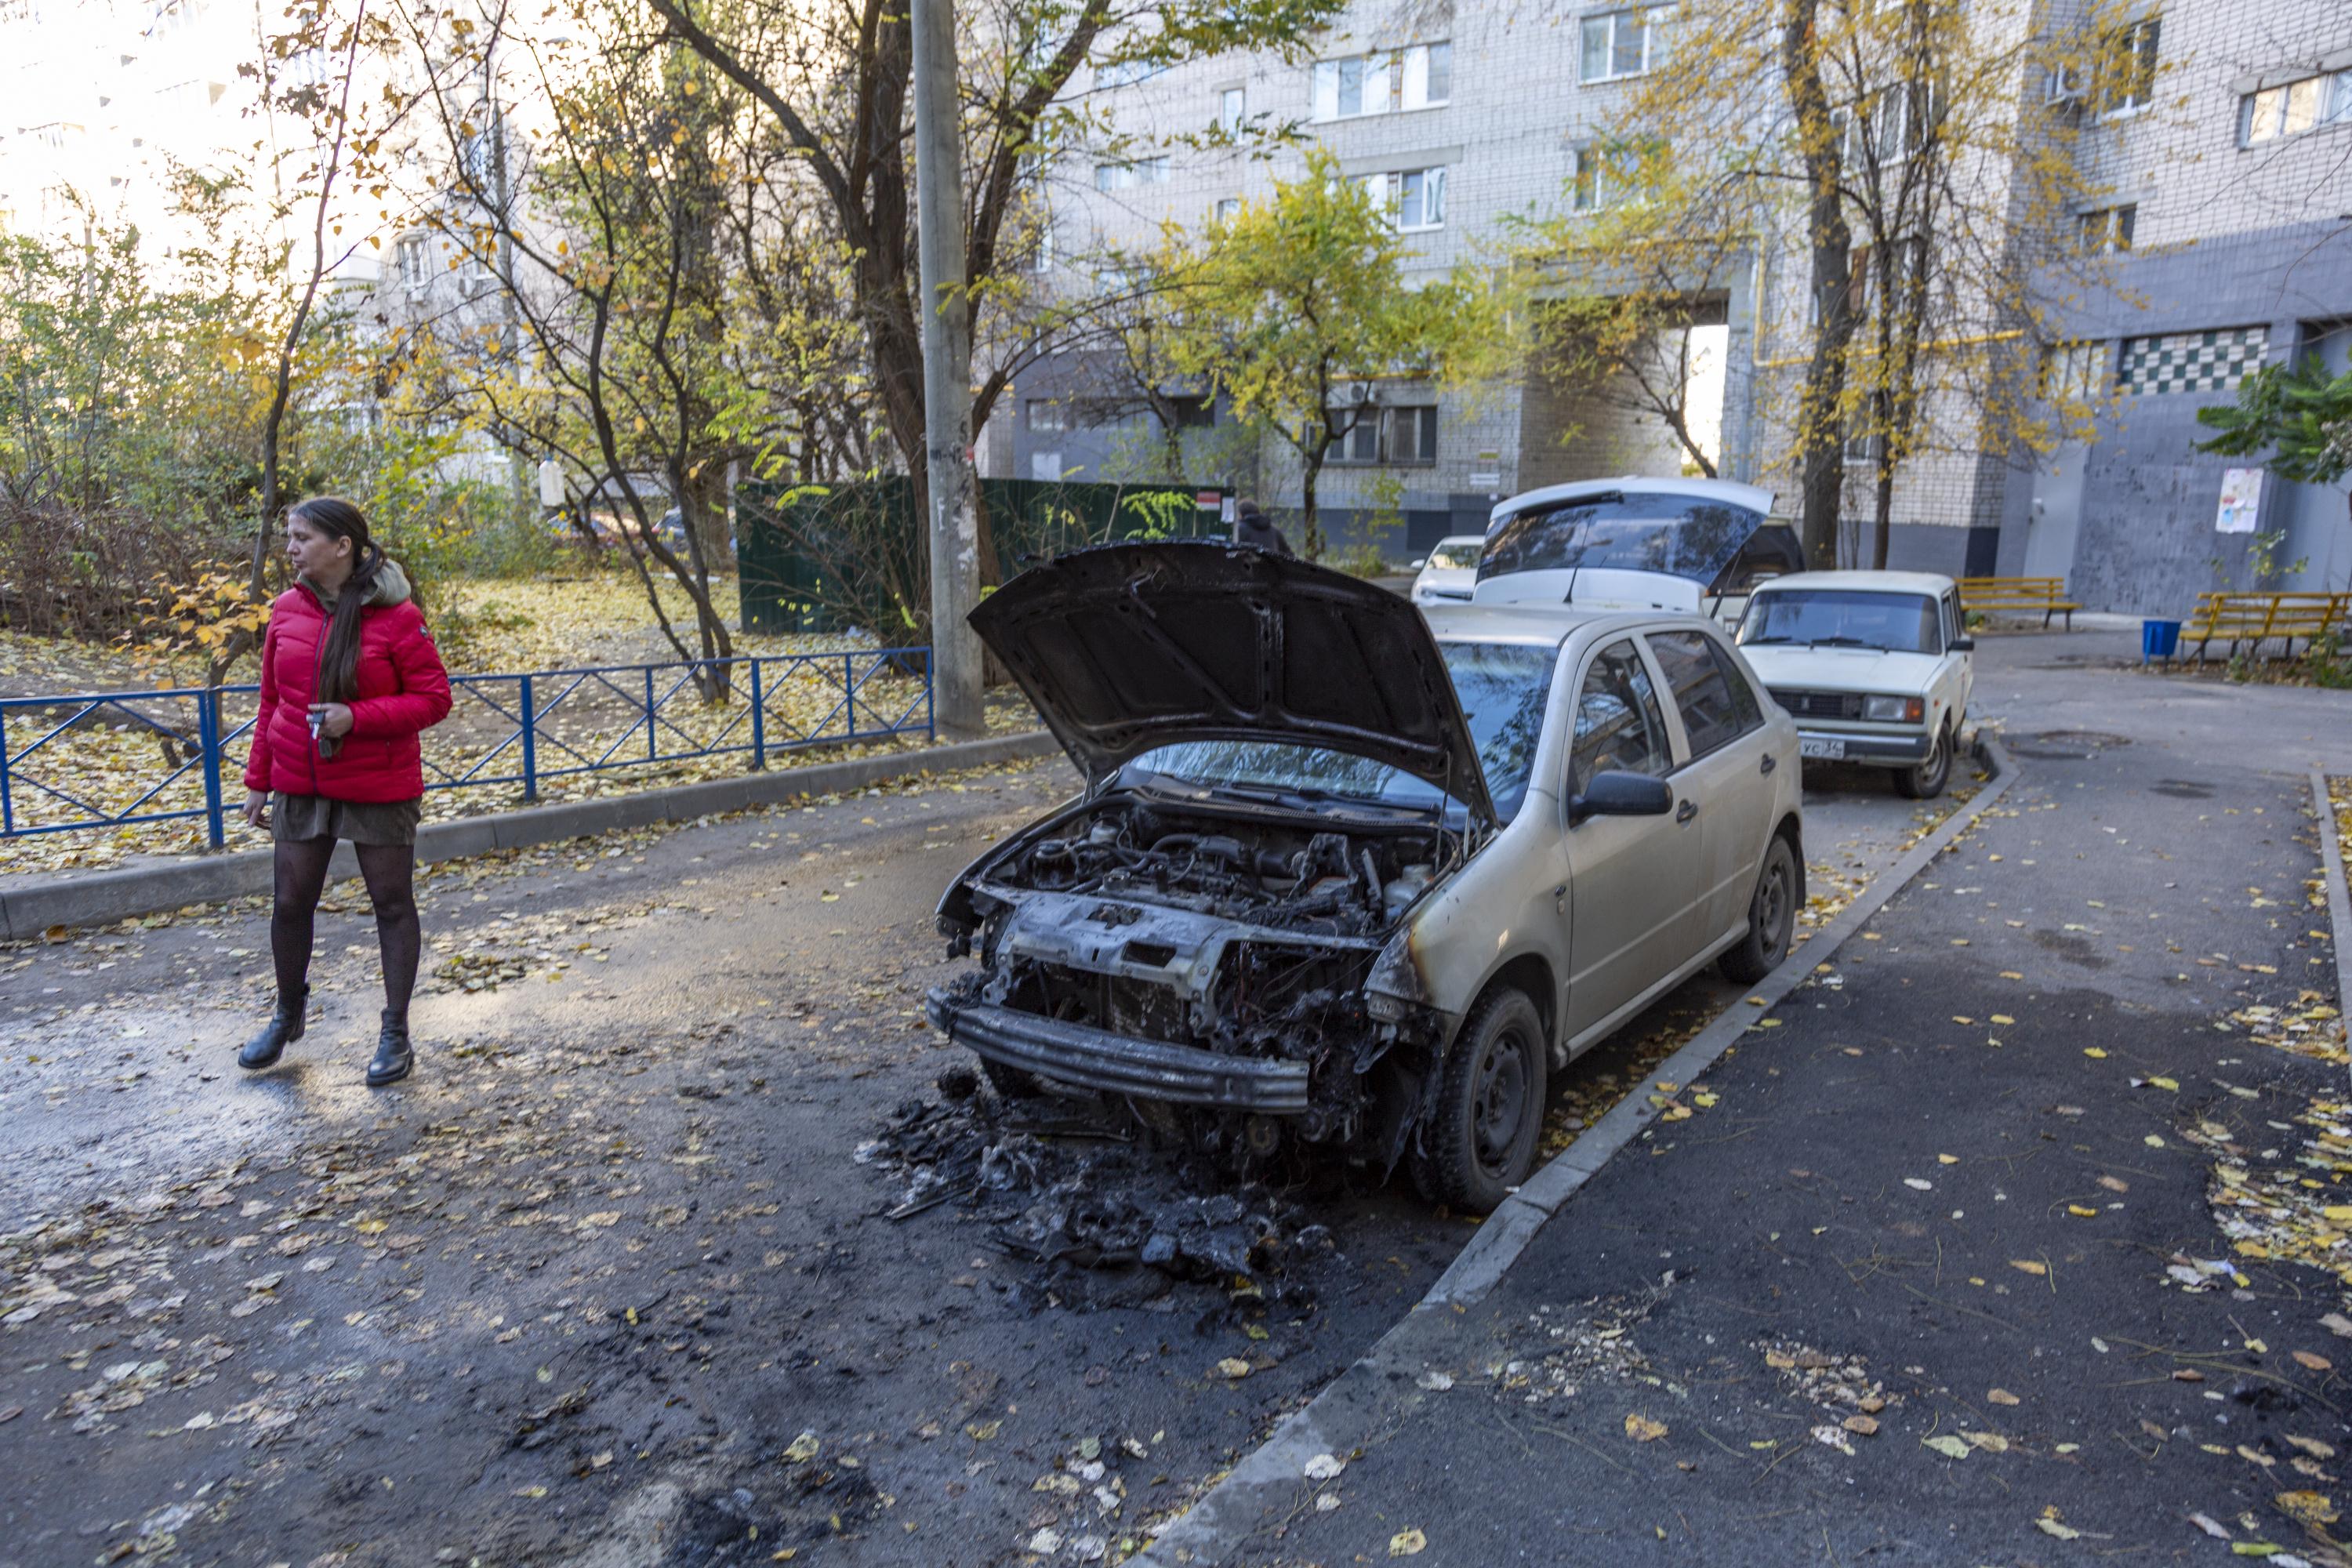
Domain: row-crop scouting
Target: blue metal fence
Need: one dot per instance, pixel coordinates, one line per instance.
(77, 774)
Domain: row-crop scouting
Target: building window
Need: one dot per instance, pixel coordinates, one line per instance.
(1609, 175)
(1140, 172)
(2108, 230)
(1420, 199)
(2128, 67)
(1125, 73)
(1624, 43)
(1044, 414)
(2190, 362)
(1420, 77)
(1412, 434)
(2073, 372)
(408, 260)
(1041, 260)
(1233, 107)
(1405, 436)
(1193, 411)
(2293, 107)
(1229, 208)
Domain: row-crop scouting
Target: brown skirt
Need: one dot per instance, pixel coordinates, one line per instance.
(294, 818)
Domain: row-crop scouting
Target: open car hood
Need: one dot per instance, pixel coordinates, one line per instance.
(1127, 647)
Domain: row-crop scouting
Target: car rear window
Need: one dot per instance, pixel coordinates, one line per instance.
(1456, 557)
(1639, 532)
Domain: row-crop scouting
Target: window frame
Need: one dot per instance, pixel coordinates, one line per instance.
(1433, 185)
(1656, 22)
(2334, 88)
(1232, 109)
(1750, 717)
(1382, 77)
(1668, 727)
(1057, 419)
(2137, 49)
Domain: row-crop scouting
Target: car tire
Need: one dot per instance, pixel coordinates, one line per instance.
(1012, 1082)
(1481, 1143)
(1771, 917)
(1926, 780)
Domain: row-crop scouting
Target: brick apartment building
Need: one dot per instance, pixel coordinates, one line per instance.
(2231, 209)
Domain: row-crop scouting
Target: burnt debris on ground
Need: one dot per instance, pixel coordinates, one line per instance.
(1105, 1214)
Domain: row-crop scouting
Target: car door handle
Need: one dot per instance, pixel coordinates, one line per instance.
(1688, 809)
(1769, 763)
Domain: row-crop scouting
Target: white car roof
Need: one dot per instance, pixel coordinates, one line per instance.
(1459, 539)
(1730, 492)
(1885, 582)
(1548, 625)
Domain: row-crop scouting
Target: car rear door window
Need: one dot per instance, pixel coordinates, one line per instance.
(1717, 704)
(1618, 725)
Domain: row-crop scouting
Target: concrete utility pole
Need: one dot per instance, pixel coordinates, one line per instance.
(947, 374)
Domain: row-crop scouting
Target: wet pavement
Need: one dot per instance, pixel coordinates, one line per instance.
(607, 1280)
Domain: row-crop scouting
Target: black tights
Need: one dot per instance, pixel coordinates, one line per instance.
(389, 869)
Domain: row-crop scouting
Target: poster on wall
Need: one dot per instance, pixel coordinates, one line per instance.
(2241, 494)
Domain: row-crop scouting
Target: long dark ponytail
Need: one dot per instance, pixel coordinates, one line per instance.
(339, 660)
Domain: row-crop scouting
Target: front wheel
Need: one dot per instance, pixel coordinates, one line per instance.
(1771, 917)
(1926, 780)
(1482, 1141)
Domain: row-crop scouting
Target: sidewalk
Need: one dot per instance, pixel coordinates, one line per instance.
(1931, 1271)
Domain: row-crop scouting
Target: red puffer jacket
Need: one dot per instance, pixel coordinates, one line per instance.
(402, 690)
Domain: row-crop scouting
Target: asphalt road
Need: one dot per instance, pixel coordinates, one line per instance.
(607, 1283)
(2006, 1240)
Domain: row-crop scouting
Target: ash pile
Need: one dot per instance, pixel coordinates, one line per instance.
(1104, 1217)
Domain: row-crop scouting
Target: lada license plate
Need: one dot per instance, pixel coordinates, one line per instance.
(1826, 747)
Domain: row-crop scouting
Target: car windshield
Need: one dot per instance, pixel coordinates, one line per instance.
(1503, 689)
(1842, 617)
(1456, 556)
(1676, 535)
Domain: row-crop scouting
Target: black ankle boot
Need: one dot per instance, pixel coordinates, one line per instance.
(285, 1027)
(393, 1056)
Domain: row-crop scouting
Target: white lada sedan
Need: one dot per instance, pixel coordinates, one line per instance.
(1875, 667)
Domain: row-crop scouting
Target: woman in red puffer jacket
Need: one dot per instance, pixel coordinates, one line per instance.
(349, 678)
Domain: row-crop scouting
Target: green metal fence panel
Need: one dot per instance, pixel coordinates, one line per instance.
(821, 558)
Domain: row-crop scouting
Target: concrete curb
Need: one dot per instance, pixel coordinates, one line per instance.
(1340, 1417)
(2339, 899)
(108, 896)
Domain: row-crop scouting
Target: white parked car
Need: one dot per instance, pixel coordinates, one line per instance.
(1875, 667)
(1636, 543)
(1450, 572)
(1349, 877)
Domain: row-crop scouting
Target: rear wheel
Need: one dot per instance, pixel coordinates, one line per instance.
(1926, 780)
(1482, 1141)
(1771, 917)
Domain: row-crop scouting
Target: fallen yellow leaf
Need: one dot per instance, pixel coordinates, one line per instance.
(2029, 1266)
(1408, 1543)
(2094, 1051)
(1641, 1429)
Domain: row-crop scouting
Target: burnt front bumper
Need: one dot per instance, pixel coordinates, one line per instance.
(1116, 1063)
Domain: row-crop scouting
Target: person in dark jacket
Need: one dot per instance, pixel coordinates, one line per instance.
(350, 678)
(1251, 528)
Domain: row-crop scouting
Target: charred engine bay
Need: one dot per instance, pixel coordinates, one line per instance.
(1248, 936)
(1286, 876)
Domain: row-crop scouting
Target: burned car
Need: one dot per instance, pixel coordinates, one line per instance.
(1342, 877)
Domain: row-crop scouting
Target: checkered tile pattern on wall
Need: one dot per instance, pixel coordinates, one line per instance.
(2191, 361)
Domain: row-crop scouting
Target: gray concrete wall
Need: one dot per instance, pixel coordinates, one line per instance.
(2146, 541)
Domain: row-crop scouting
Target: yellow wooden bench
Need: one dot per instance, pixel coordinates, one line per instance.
(2047, 594)
(2254, 618)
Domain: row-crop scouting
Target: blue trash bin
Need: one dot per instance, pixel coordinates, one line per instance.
(2158, 640)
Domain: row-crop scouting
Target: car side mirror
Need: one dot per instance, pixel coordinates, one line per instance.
(1961, 645)
(1418, 563)
(1616, 793)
